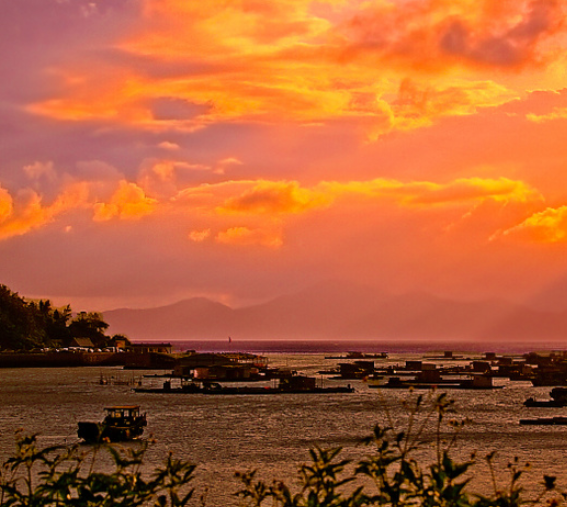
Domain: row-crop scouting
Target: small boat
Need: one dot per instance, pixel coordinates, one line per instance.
(121, 423)
(558, 399)
(547, 421)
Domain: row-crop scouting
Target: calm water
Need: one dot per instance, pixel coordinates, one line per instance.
(272, 433)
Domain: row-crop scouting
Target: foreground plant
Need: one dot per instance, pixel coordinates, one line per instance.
(395, 473)
(392, 476)
(70, 476)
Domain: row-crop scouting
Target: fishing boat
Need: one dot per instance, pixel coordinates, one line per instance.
(121, 423)
(558, 399)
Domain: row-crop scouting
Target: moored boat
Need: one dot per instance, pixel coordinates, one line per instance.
(475, 382)
(121, 423)
(547, 421)
(558, 399)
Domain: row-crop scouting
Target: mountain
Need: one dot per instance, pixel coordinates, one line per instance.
(335, 311)
(191, 318)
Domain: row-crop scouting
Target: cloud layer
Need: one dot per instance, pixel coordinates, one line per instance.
(162, 149)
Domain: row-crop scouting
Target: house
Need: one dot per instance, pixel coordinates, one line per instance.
(84, 343)
(147, 348)
(215, 367)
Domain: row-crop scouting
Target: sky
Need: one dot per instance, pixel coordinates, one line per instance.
(157, 150)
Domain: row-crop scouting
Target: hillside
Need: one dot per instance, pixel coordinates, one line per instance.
(341, 311)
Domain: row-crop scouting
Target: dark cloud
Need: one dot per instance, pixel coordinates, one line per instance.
(506, 44)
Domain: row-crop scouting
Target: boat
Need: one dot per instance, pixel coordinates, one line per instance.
(547, 421)
(475, 382)
(558, 399)
(374, 380)
(121, 423)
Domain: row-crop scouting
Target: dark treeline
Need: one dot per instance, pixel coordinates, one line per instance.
(27, 325)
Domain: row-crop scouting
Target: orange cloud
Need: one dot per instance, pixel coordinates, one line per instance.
(199, 236)
(265, 203)
(244, 236)
(128, 202)
(472, 189)
(166, 145)
(6, 205)
(269, 197)
(558, 113)
(392, 65)
(548, 226)
(273, 198)
(432, 34)
(26, 212)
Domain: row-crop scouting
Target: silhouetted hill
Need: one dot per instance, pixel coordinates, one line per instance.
(191, 318)
(337, 310)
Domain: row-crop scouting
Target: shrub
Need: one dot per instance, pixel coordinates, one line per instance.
(391, 476)
(70, 476)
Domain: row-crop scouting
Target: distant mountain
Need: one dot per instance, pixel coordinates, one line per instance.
(191, 318)
(336, 311)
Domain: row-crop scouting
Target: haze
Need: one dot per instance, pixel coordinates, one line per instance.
(159, 150)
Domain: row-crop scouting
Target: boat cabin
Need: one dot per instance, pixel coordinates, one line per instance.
(122, 412)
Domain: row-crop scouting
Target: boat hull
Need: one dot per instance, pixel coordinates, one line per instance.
(92, 432)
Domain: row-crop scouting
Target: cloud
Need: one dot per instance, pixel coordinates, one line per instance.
(558, 113)
(199, 236)
(226, 163)
(472, 189)
(390, 65)
(6, 205)
(128, 202)
(243, 236)
(167, 145)
(507, 41)
(547, 226)
(265, 205)
(39, 170)
(273, 197)
(269, 197)
(432, 34)
(27, 211)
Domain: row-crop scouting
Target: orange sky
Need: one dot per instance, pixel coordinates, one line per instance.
(238, 150)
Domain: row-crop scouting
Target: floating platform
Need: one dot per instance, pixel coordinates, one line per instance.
(545, 421)
(291, 385)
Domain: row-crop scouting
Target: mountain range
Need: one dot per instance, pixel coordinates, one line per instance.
(336, 311)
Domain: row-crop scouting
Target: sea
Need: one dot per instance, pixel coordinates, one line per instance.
(272, 434)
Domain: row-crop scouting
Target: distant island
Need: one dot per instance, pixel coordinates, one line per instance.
(27, 325)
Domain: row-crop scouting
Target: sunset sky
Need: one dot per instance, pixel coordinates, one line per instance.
(156, 150)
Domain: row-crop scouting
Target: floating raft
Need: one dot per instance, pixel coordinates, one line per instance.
(546, 421)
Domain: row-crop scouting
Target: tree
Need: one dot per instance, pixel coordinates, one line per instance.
(26, 325)
(89, 325)
(19, 328)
